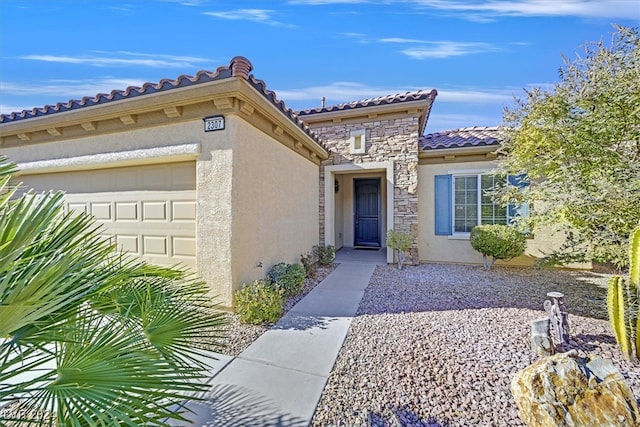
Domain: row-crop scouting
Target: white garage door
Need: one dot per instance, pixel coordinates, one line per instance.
(149, 210)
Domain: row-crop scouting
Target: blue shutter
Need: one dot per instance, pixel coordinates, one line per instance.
(443, 205)
(517, 211)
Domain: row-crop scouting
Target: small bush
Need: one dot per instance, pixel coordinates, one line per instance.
(259, 302)
(400, 242)
(498, 242)
(324, 254)
(310, 264)
(289, 277)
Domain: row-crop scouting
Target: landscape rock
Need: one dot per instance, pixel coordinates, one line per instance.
(541, 342)
(567, 390)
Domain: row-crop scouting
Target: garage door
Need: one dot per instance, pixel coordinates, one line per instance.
(149, 210)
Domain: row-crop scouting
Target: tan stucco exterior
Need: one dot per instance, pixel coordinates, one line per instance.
(255, 184)
(274, 205)
(457, 249)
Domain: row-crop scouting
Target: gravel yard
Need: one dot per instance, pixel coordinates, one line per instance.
(437, 345)
(239, 336)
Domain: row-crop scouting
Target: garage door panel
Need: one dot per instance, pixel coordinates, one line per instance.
(155, 210)
(77, 207)
(184, 247)
(101, 210)
(127, 211)
(154, 245)
(149, 211)
(128, 243)
(184, 210)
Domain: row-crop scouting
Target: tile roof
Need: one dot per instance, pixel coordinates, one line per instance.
(238, 67)
(383, 100)
(463, 137)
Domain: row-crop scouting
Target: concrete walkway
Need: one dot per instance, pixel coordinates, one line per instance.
(278, 380)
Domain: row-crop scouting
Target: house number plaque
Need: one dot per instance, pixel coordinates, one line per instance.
(213, 123)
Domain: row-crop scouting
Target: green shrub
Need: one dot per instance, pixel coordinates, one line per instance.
(289, 277)
(498, 242)
(324, 254)
(400, 242)
(310, 265)
(259, 302)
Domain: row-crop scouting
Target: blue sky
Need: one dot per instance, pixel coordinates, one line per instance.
(478, 54)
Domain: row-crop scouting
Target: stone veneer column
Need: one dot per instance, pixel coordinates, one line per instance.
(393, 140)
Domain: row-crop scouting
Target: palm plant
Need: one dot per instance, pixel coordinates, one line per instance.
(87, 335)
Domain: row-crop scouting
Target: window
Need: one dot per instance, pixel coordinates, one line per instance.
(357, 140)
(472, 203)
(464, 200)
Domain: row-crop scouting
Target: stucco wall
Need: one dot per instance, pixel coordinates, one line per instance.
(435, 248)
(275, 203)
(214, 172)
(213, 179)
(108, 144)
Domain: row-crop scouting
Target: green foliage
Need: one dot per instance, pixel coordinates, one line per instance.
(623, 304)
(324, 254)
(310, 265)
(259, 302)
(579, 143)
(289, 277)
(87, 335)
(400, 242)
(498, 242)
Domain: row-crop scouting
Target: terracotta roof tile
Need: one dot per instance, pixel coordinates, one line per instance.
(383, 100)
(463, 137)
(116, 95)
(238, 67)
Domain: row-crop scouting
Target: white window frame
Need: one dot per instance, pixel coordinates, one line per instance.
(353, 137)
(460, 235)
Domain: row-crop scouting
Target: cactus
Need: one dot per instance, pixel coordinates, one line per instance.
(617, 305)
(622, 303)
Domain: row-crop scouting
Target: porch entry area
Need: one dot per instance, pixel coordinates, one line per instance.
(358, 202)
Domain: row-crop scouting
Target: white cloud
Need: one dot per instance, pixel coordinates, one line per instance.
(8, 109)
(326, 2)
(446, 49)
(65, 89)
(334, 93)
(482, 10)
(401, 40)
(187, 2)
(262, 16)
(340, 92)
(119, 59)
(582, 8)
(443, 122)
(475, 96)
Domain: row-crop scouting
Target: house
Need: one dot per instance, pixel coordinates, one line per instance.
(214, 172)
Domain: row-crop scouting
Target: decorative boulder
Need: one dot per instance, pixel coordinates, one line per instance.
(567, 390)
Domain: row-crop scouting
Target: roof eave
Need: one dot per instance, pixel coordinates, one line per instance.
(420, 107)
(442, 152)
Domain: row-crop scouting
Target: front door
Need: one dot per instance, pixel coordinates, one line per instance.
(367, 212)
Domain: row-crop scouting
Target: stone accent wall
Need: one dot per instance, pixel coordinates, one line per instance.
(386, 140)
